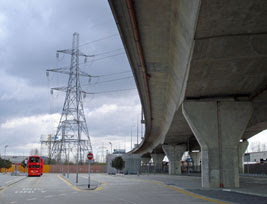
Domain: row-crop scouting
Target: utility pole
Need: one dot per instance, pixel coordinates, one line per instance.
(131, 138)
(5, 157)
(110, 147)
(72, 128)
(137, 131)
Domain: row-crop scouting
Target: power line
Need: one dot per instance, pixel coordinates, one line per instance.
(100, 39)
(121, 53)
(100, 92)
(111, 80)
(114, 73)
(103, 53)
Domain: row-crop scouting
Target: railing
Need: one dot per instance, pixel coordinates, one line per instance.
(260, 168)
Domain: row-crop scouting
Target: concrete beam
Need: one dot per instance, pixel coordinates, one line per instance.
(174, 154)
(218, 127)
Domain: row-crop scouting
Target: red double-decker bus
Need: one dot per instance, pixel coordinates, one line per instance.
(35, 166)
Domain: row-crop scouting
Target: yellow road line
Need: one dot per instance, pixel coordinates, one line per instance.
(188, 193)
(69, 184)
(99, 188)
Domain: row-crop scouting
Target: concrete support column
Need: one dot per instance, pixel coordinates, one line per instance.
(218, 127)
(196, 157)
(242, 148)
(145, 160)
(174, 154)
(157, 160)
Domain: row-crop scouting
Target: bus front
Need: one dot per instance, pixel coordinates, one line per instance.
(35, 166)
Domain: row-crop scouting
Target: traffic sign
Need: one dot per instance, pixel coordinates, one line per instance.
(90, 156)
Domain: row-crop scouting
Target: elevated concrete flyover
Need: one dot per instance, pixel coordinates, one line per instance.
(201, 71)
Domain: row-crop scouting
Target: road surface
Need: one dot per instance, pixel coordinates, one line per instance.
(112, 189)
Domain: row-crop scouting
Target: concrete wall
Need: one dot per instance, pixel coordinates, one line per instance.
(82, 168)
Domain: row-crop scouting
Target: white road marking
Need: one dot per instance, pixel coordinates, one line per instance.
(49, 196)
(16, 192)
(62, 194)
(29, 190)
(32, 199)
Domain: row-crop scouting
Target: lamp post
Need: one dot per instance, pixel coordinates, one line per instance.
(131, 138)
(110, 147)
(5, 149)
(5, 156)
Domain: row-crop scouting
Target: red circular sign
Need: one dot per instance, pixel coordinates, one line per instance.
(90, 156)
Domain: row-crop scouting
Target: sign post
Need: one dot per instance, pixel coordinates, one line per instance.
(90, 156)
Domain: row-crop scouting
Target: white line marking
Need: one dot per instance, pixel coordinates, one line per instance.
(32, 199)
(49, 196)
(62, 194)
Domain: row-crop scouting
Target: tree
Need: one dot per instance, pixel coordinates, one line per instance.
(8, 164)
(2, 163)
(118, 163)
(5, 163)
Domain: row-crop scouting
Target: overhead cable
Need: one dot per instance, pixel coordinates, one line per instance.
(100, 39)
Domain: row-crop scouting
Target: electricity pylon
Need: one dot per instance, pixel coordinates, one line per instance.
(72, 132)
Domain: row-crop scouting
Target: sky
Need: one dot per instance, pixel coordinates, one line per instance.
(31, 32)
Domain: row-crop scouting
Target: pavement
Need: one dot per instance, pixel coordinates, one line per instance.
(7, 179)
(130, 189)
(252, 189)
(82, 181)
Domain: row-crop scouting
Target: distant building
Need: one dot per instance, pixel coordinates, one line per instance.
(255, 156)
(15, 159)
(119, 151)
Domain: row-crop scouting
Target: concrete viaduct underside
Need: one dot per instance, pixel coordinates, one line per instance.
(201, 71)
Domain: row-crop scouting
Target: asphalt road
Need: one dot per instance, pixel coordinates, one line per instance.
(6, 179)
(117, 189)
(53, 188)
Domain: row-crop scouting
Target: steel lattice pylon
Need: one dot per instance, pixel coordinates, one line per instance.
(72, 132)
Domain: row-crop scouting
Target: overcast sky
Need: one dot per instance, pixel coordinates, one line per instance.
(30, 33)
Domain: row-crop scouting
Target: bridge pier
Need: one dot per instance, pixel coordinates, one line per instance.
(174, 154)
(241, 151)
(157, 160)
(145, 160)
(218, 127)
(196, 158)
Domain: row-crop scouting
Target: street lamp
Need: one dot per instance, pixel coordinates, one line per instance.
(5, 156)
(110, 147)
(5, 149)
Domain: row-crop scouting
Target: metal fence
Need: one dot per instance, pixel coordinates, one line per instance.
(150, 168)
(260, 168)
